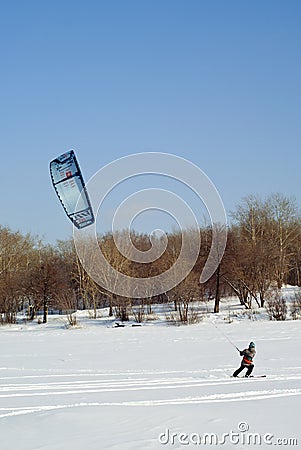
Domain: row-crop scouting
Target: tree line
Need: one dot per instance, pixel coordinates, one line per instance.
(263, 250)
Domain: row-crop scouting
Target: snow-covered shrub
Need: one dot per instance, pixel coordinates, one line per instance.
(276, 307)
(71, 319)
(8, 318)
(185, 316)
(296, 306)
(138, 313)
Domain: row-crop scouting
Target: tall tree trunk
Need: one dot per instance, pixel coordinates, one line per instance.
(45, 309)
(217, 289)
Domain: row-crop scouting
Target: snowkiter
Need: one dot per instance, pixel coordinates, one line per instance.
(247, 360)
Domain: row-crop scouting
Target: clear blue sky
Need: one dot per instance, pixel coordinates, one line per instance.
(217, 82)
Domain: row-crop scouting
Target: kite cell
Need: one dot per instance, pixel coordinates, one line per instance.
(69, 185)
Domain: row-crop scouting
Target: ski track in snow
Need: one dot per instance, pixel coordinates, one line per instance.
(198, 387)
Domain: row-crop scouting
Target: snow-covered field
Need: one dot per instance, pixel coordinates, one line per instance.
(98, 387)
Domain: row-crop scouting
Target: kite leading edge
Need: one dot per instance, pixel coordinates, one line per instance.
(69, 185)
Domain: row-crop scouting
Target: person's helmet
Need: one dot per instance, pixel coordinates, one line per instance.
(251, 345)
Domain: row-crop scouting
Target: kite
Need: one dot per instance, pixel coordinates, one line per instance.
(69, 185)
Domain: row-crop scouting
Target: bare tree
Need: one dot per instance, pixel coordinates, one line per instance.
(286, 229)
(46, 276)
(66, 300)
(254, 256)
(187, 294)
(15, 255)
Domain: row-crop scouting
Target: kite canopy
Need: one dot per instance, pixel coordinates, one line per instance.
(69, 185)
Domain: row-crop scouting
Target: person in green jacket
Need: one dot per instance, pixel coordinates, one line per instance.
(247, 360)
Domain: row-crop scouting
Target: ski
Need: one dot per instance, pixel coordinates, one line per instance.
(251, 376)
